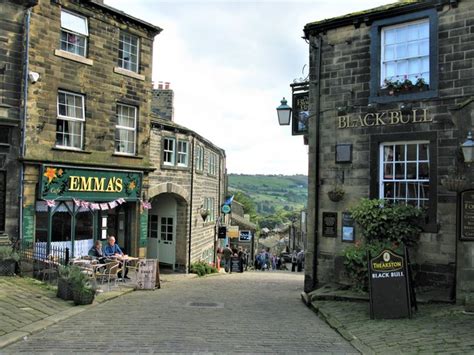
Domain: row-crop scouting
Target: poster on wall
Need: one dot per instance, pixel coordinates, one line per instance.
(330, 224)
(467, 215)
(348, 228)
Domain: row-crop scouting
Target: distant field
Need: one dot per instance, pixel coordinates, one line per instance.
(273, 192)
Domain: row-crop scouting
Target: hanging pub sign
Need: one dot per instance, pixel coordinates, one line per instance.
(389, 286)
(467, 215)
(300, 103)
(65, 183)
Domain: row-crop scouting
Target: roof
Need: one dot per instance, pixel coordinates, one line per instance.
(242, 222)
(171, 125)
(154, 30)
(368, 16)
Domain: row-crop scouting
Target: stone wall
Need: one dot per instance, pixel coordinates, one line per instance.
(345, 82)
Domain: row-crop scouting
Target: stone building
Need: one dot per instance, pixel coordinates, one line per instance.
(186, 190)
(87, 125)
(391, 101)
(12, 79)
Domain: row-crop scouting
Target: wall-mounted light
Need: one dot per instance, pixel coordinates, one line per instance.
(341, 111)
(406, 108)
(372, 107)
(468, 149)
(284, 113)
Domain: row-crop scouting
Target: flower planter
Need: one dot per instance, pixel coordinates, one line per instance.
(65, 289)
(7, 267)
(396, 91)
(455, 184)
(336, 196)
(83, 296)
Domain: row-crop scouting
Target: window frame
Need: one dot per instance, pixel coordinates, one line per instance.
(172, 151)
(70, 31)
(3, 200)
(118, 127)
(430, 223)
(71, 118)
(209, 205)
(212, 163)
(180, 153)
(200, 158)
(376, 56)
(121, 60)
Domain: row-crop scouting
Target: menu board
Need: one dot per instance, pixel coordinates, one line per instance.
(467, 215)
(148, 276)
(330, 224)
(235, 264)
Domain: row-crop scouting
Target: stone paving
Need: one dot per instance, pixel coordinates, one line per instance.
(253, 312)
(433, 329)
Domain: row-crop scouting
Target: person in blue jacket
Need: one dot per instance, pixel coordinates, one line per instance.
(112, 249)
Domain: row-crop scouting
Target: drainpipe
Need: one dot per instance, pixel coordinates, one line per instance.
(219, 201)
(191, 205)
(26, 47)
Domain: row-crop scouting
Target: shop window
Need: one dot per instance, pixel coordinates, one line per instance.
(125, 129)
(61, 226)
(4, 136)
(84, 226)
(3, 194)
(128, 52)
(74, 33)
(70, 121)
(41, 229)
(404, 61)
(404, 171)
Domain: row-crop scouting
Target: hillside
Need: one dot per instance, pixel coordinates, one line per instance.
(272, 192)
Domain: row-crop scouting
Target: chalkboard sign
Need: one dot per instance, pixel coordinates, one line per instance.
(389, 286)
(467, 215)
(330, 224)
(148, 275)
(235, 264)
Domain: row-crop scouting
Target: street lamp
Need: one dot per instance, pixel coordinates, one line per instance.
(468, 149)
(284, 113)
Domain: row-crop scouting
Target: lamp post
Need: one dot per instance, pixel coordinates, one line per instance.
(284, 113)
(468, 149)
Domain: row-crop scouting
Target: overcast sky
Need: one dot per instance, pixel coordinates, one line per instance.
(230, 63)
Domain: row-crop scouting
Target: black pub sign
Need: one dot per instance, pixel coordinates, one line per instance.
(389, 286)
(330, 224)
(467, 215)
(300, 111)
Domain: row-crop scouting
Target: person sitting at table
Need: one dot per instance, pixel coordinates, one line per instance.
(96, 252)
(112, 249)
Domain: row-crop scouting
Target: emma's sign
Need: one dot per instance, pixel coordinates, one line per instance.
(387, 118)
(64, 183)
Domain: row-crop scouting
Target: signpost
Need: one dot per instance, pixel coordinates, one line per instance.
(389, 286)
(148, 276)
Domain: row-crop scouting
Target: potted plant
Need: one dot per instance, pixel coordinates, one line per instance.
(8, 259)
(83, 289)
(336, 194)
(65, 283)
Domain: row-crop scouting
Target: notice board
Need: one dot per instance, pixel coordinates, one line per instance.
(389, 286)
(148, 275)
(235, 264)
(467, 215)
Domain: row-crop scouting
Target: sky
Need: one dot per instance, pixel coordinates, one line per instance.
(229, 63)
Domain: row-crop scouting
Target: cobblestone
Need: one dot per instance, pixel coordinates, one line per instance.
(434, 328)
(260, 313)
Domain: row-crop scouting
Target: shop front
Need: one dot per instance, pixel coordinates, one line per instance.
(77, 206)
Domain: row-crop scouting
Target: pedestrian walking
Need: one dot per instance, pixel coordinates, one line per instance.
(294, 261)
(227, 253)
(300, 260)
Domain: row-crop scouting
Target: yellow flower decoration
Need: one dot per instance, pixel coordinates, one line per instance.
(60, 172)
(132, 185)
(50, 174)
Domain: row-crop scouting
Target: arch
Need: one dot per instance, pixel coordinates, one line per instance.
(168, 187)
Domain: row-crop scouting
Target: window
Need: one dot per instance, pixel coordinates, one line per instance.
(404, 169)
(4, 135)
(405, 172)
(168, 151)
(73, 33)
(128, 52)
(404, 48)
(166, 233)
(209, 206)
(153, 226)
(406, 52)
(211, 167)
(199, 158)
(70, 122)
(125, 129)
(182, 153)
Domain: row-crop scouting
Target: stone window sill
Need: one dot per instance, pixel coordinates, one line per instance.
(129, 73)
(127, 156)
(73, 57)
(72, 150)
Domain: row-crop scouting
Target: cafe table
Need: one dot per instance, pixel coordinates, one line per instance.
(126, 260)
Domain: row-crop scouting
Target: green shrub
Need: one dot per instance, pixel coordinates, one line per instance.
(202, 268)
(8, 253)
(383, 225)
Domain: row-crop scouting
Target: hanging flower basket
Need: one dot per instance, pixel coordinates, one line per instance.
(204, 214)
(336, 194)
(456, 184)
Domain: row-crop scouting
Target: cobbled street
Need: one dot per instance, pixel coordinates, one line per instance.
(253, 312)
